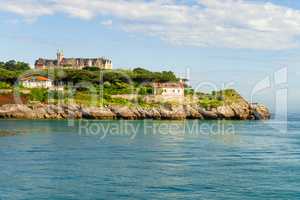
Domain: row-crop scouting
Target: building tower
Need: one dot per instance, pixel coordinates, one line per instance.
(60, 57)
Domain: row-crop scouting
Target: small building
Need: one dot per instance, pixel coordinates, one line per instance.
(36, 81)
(169, 89)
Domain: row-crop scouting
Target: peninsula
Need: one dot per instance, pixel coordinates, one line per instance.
(93, 92)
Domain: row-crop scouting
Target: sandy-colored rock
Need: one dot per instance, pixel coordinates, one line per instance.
(97, 113)
(123, 112)
(260, 112)
(208, 114)
(18, 111)
(172, 112)
(225, 112)
(192, 112)
(152, 113)
(241, 110)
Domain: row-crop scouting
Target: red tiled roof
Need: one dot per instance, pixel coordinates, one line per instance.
(37, 78)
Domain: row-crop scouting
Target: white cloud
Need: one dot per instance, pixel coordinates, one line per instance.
(206, 23)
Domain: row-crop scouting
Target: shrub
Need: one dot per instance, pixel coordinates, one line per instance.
(38, 94)
(13, 65)
(145, 90)
(119, 101)
(106, 84)
(209, 103)
(92, 68)
(4, 85)
(188, 91)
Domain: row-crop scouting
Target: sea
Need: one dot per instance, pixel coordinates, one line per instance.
(148, 159)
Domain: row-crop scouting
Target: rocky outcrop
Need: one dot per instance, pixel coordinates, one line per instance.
(192, 112)
(260, 112)
(172, 113)
(239, 111)
(124, 112)
(18, 111)
(225, 112)
(208, 114)
(95, 113)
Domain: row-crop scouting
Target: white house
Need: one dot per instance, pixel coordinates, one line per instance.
(36, 81)
(169, 89)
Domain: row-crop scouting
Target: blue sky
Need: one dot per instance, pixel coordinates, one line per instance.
(238, 42)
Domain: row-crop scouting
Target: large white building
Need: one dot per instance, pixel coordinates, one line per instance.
(36, 81)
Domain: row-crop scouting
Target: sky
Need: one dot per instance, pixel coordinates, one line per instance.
(239, 44)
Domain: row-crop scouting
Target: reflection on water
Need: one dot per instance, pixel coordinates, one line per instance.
(149, 160)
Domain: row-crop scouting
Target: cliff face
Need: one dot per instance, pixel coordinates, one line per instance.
(238, 111)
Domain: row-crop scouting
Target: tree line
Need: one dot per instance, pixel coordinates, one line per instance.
(11, 70)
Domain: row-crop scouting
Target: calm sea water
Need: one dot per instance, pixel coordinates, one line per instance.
(150, 160)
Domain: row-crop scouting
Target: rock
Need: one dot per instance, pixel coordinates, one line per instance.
(208, 114)
(40, 113)
(241, 110)
(39, 110)
(151, 113)
(138, 113)
(18, 111)
(192, 112)
(225, 112)
(260, 112)
(141, 112)
(237, 110)
(97, 113)
(172, 112)
(55, 112)
(123, 112)
(71, 107)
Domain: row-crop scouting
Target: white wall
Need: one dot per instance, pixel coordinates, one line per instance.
(37, 84)
(170, 92)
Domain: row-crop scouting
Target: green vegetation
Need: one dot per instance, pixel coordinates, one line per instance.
(118, 81)
(96, 76)
(11, 70)
(8, 76)
(209, 103)
(13, 65)
(38, 95)
(92, 82)
(230, 96)
(219, 98)
(4, 85)
(189, 91)
(145, 90)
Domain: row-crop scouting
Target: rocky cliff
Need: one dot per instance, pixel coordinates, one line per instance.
(236, 111)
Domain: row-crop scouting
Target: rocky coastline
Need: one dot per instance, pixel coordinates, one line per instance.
(235, 111)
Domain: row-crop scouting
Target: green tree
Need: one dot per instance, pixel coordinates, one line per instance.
(13, 65)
